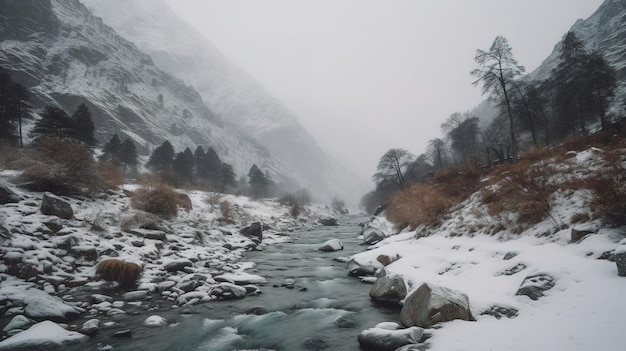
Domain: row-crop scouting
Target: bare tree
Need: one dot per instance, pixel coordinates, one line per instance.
(497, 69)
(393, 166)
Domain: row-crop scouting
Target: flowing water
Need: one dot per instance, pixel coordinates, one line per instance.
(324, 309)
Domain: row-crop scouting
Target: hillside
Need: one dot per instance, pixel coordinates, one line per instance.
(236, 97)
(67, 56)
(605, 31)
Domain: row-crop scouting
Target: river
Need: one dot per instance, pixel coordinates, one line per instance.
(321, 308)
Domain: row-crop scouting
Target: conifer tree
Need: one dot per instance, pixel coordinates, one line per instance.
(83, 126)
(161, 158)
(54, 122)
(257, 181)
(229, 178)
(183, 164)
(128, 154)
(112, 150)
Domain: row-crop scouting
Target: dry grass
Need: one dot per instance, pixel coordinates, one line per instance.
(141, 220)
(417, 205)
(111, 175)
(162, 201)
(608, 188)
(226, 212)
(526, 188)
(125, 273)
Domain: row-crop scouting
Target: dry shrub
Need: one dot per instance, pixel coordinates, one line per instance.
(62, 167)
(608, 188)
(458, 184)
(418, 204)
(226, 212)
(536, 154)
(185, 202)
(141, 220)
(111, 175)
(125, 273)
(213, 200)
(162, 201)
(526, 188)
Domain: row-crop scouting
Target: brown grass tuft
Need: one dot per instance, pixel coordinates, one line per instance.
(608, 188)
(417, 205)
(125, 273)
(162, 201)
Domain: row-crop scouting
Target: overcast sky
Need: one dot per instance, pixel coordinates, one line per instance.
(364, 76)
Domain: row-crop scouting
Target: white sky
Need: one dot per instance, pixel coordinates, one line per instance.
(364, 76)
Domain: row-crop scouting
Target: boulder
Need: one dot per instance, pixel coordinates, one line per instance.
(533, 286)
(229, 291)
(329, 222)
(331, 245)
(149, 234)
(254, 231)
(382, 339)
(177, 265)
(357, 269)
(386, 260)
(499, 312)
(53, 205)
(389, 289)
(7, 195)
(578, 233)
(155, 321)
(18, 322)
(620, 260)
(375, 230)
(431, 304)
(137, 295)
(90, 327)
(42, 336)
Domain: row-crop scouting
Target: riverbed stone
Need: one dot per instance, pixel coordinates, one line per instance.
(430, 304)
(389, 289)
(331, 245)
(535, 285)
(53, 205)
(254, 231)
(177, 265)
(329, 222)
(381, 339)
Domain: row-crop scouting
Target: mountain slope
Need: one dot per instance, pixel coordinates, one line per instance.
(604, 31)
(234, 95)
(67, 56)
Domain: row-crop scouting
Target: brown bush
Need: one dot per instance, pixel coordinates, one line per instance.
(226, 212)
(526, 188)
(125, 273)
(111, 175)
(185, 202)
(162, 201)
(141, 220)
(61, 167)
(417, 205)
(608, 189)
(458, 184)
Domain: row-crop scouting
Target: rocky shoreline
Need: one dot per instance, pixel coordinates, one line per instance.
(50, 258)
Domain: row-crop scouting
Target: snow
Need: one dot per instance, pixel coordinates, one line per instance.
(42, 334)
(583, 311)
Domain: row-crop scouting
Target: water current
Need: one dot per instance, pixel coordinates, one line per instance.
(309, 303)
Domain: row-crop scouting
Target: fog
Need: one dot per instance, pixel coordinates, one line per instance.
(364, 76)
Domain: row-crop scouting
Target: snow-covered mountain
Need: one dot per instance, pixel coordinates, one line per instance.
(604, 31)
(67, 56)
(240, 101)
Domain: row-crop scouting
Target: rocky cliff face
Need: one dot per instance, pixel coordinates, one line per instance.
(604, 31)
(67, 56)
(231, 93)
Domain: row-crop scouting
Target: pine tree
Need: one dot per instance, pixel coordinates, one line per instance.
(112, 150)
(229, 178)
(256, 180)
(183, 164)
(214, 166)
(54, 122)
(161, 158)
(200, 160)
(128, 154)
(12, 98)
(83, 126)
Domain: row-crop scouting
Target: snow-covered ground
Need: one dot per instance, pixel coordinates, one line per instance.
(583, 311)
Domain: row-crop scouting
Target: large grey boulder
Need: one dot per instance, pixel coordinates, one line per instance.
(7, 195)
(53, 205)
(534, 286)
(329, 222)
(331, 245)
(357, 269)
(254, 231)
(375, 230)
(430, 304)
(389, 289)
(385, 338)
